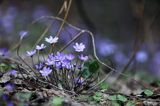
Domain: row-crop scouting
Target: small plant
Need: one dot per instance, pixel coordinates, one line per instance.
(130, 103)
(104, 86)
(147, 92)
(5, 67)
(67, 71)
(57, 101)
(116, 99)
(97, 96)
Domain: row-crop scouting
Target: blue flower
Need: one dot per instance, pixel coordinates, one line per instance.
(51, 40)
(83, 58)
(45, 71)
(58, 64)
(66, 64)
(12, 72)
(9, 87)
(31, 53)
(50, 62)
(60, 57)
(70, 57)
(51, 56)
(39, 66)
(79, 47)
(40, 47)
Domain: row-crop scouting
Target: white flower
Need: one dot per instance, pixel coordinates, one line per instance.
(31, 53)
(51, 40)
(79, 47)
(40, 47)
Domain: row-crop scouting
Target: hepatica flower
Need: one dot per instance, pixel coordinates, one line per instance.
(66, 64)
(66, 67)
(79, 47)
(51, 40)
(50, 62)
(60, 57)
(70, 57)
(45, 71)
(83, 58)
(40, 47)
(31, 53)
(9, 87)
(12, 72)
(39, 66)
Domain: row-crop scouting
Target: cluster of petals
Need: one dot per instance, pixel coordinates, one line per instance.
(51, 40)
(39, 66)
(70, 57)
(12, 72)
(83, 58)
(60, 60)
(79, 47)
(45, 71)
(31, 53)
(40, 47)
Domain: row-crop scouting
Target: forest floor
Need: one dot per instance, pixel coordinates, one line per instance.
(139, 90)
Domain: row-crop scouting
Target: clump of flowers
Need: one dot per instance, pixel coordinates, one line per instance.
(70, 71)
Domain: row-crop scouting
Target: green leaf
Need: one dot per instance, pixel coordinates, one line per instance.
(13, 66)
(89, 68)
(86, 63)
(3, 65)
(158, 82)
(57, 101)
(23, 96)
(121, 98)
(148, 92)
(98, 94)
(85, 73)
(93, 66)
(104, 86)
(130, 103)
(84, 98)
(97, 97)
(115, 104)
(112, 97)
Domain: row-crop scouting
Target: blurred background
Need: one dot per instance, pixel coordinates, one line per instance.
(124, 30)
